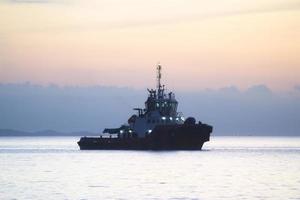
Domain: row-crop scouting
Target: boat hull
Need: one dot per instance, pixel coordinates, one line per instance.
(163, 137)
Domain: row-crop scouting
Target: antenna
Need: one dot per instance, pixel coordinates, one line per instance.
(158, 76)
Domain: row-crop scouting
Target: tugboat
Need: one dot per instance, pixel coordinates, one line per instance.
(158, 126)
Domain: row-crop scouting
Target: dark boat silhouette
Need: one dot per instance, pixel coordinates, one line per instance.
(158, 126)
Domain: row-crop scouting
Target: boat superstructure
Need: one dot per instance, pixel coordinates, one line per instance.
(157, 126)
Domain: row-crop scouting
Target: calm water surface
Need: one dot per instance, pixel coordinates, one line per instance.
(227, 168)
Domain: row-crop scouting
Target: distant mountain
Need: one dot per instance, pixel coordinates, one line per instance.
(11, 132)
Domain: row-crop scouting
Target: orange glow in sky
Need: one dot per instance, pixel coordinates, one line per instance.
(200, 44)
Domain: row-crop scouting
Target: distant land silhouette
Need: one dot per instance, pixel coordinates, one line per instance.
(10, 132)
(88, 110)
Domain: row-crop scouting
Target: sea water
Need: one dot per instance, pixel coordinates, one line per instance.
(226, 168)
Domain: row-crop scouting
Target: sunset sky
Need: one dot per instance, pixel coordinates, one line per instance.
(200, 44)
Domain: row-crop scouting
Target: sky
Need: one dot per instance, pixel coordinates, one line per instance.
(71, 65)
(200, 44)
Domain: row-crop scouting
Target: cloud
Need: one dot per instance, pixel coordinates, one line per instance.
(259, 90)
(30, 1)
(230, 89)
(168, 18)
(32, 107)
(38, 2)
(297, 87)
(204, 16)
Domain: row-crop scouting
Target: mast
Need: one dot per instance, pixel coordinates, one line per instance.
(158, 76)
(160, 89)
